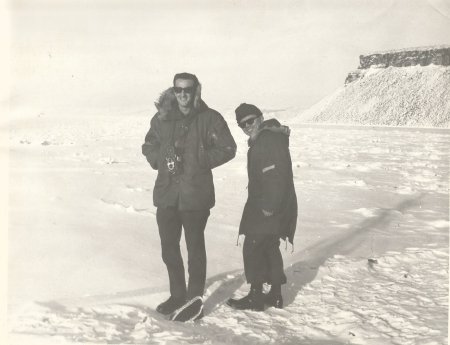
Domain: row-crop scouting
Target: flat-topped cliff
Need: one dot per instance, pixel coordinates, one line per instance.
(407, 57)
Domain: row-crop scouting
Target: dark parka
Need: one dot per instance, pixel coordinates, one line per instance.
(271, 185)
(205, 142)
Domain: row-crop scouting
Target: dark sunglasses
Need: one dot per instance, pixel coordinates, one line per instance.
(189, 89)
(247, 122)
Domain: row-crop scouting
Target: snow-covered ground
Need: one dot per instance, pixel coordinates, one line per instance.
(369, 266)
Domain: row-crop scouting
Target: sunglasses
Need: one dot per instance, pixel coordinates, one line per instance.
(189, 89)
(247, 122)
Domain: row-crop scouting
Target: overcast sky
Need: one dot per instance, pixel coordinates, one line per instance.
(82, 57)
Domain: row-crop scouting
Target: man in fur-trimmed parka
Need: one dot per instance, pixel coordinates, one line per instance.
(185, 141)
(271, 209)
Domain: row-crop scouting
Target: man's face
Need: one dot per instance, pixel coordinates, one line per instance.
(184, 92)
(250, 124)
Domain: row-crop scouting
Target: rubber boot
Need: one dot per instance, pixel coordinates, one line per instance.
(253, 301)
(169, 306)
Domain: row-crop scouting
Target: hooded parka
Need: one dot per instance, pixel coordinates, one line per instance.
(203, 141)
(271, 185)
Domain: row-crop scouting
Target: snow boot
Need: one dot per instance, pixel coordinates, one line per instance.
(191, 311)
(274, 300)
(253, 301)
(169, 306)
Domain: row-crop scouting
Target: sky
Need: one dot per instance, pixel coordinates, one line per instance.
(75, 58)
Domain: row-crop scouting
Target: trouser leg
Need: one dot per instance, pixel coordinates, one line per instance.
(169, 224)
(276, 274)
(254, 261)
(262, 260)
(194, 224)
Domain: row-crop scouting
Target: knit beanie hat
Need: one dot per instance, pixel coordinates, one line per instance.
(246, 109)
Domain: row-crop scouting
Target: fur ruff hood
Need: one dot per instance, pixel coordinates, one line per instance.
(272, 125)
(167, 103)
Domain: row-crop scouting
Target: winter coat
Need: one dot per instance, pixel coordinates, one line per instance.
(270, 184)
(203, 141)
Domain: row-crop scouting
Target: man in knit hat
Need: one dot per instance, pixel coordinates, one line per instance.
(270, 213)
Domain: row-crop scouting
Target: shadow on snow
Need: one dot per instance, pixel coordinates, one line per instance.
(119, 327)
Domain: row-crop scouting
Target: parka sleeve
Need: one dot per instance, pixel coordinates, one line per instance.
(273, 168)
(152, 143)
(220, 147)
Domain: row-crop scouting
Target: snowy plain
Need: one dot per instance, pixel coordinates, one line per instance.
(369, 263)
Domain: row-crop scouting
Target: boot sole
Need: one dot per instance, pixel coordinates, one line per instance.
(191, 311)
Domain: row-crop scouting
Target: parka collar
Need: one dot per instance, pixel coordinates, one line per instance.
(272, 125)
(175, 114)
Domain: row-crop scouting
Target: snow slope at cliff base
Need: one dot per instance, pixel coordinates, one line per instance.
(412, 96)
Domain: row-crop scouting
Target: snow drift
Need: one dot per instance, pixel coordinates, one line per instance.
(404, 88)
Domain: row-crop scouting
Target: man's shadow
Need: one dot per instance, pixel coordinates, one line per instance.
(310, 259)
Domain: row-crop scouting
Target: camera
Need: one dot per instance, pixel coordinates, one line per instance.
(173, 161)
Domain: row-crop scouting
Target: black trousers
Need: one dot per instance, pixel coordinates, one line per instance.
(263, 262)
(170, 223)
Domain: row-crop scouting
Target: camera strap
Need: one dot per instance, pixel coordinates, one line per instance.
(176, 147)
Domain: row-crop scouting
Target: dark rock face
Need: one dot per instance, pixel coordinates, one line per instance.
(352, 76)
(404, 58)
(401, 58)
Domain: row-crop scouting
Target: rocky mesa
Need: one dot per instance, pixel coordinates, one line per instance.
(406, 87)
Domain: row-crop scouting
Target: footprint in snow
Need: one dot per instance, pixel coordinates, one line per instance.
(109, 160)
(128, 208)
(137, 189)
